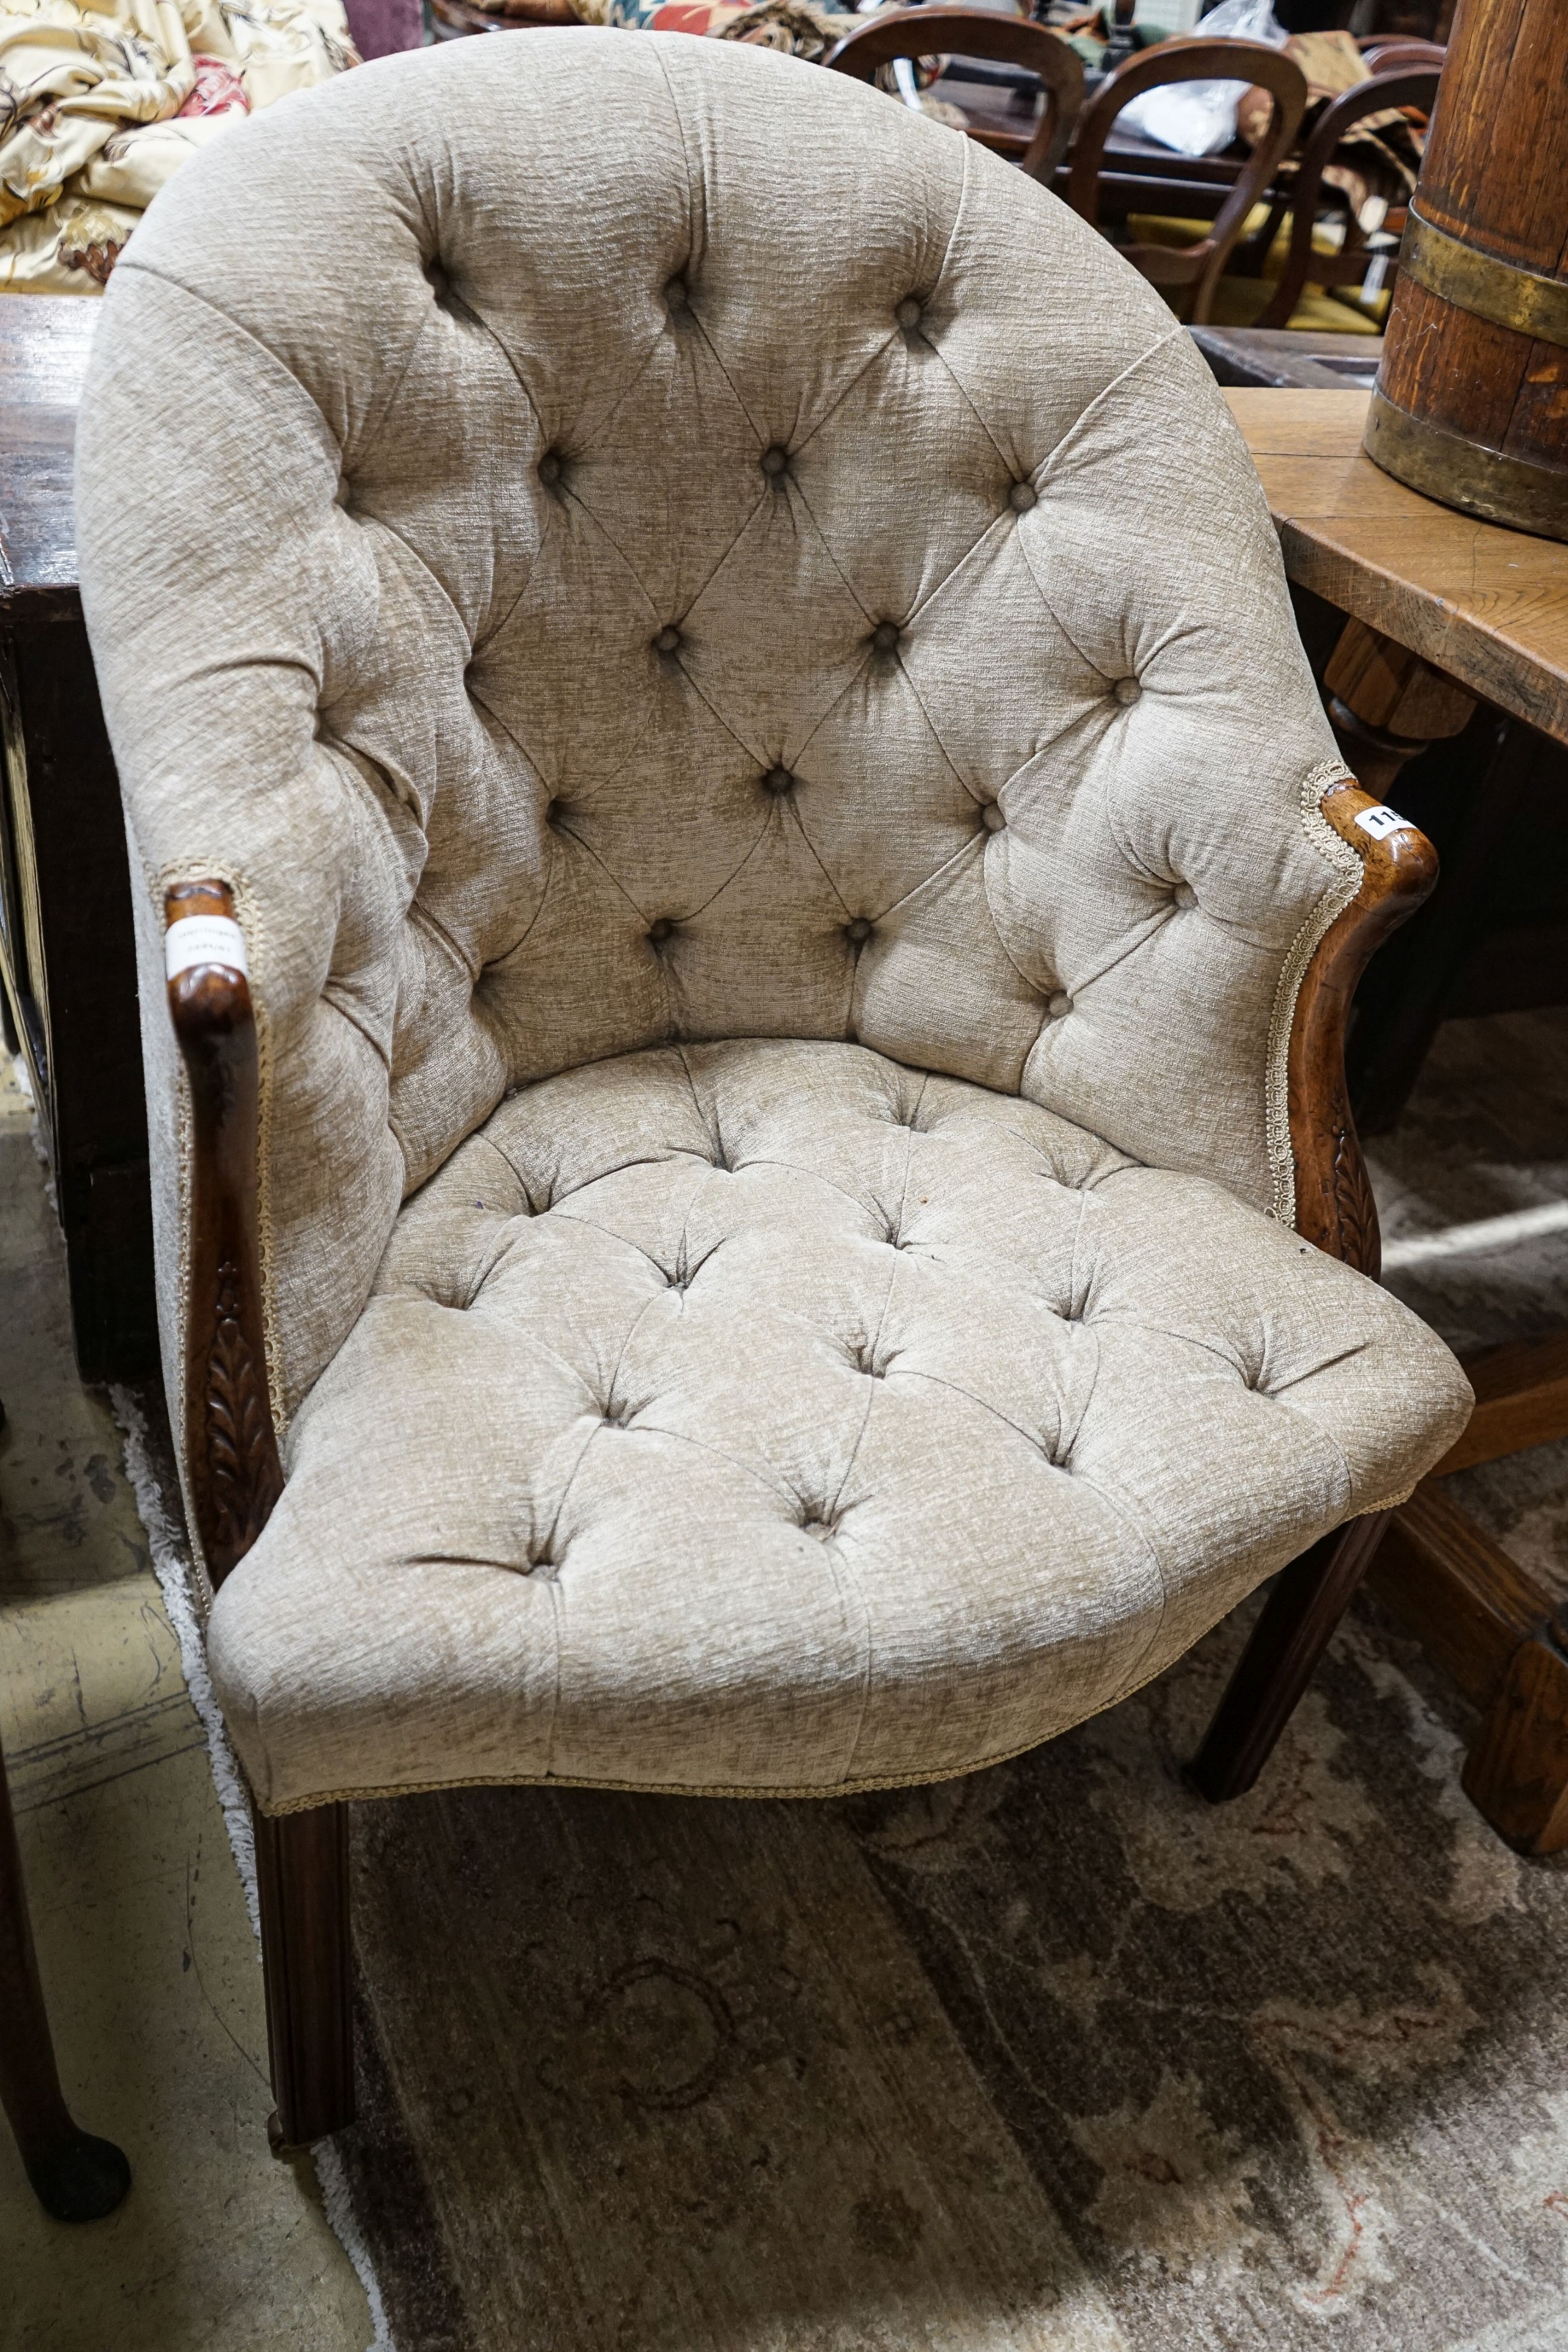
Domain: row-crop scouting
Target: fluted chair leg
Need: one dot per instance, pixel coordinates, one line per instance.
(1290, 1637)
(302, 1884)
(75, 2176)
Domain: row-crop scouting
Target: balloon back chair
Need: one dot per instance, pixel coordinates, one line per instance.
(894, 33)
(1408, 85)
(747, 913)
(1198, 266)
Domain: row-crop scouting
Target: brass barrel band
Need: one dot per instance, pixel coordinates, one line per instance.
(1499, 291)
(1518, 491)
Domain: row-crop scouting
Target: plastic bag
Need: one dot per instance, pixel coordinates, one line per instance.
(1199, 118)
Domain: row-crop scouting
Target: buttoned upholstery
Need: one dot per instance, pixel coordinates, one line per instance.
(738, 670)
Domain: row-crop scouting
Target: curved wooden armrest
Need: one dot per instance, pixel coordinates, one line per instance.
(231, 1444)
(978, 33)
(1335, 1207)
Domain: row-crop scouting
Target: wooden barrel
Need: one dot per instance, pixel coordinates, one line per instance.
(1472, 402)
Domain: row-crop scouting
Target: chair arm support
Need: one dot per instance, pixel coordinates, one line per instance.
(232, 1462)
(1335, 1207)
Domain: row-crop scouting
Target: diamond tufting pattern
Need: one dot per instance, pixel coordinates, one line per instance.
(669, 549)
(768, 1415)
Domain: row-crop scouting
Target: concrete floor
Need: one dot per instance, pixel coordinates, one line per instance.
(147, 1954)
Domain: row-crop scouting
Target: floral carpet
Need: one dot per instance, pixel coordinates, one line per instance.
(1056, 2056)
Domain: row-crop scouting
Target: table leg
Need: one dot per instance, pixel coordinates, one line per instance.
(1386, 704)
(1410, 995)
(1517, 1770)
(76, 2177)
(1479, 1616)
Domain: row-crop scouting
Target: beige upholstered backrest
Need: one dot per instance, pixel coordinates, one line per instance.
(607, 538)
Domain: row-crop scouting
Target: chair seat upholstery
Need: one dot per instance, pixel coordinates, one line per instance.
(769, 1417)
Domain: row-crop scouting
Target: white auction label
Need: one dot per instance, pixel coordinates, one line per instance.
(1381, 821)
(203, 939)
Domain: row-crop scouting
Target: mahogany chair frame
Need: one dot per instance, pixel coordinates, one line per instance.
(234, 1474)
(979, 33)
(1414, 85)
(1198, 266)
(1401, 52)
(75, 2176)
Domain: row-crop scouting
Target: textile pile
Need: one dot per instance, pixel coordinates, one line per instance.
(100, 104)
(1376, 162)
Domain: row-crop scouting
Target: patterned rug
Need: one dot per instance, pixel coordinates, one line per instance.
(1054, 2057)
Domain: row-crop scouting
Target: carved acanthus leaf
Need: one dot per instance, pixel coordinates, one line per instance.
(241, 1467)
(1354, 1203)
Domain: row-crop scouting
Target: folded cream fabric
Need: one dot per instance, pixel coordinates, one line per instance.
(742, 681)
(99, 105)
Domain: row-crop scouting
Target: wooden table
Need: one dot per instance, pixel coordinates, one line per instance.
(1443, 612)
(1483, 607)
(66, 957)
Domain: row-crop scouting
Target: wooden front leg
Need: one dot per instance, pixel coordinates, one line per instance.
(1298, 1617)
(235, 1478)
(75, 2176)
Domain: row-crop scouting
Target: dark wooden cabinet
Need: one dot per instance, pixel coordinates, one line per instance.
(67, 954)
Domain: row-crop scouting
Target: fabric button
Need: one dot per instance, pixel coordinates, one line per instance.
(1061, 1005)
(777, 781)
(858, 932)
(774, 461)
(1184, 895)
(660, 931)
(550, 467)
(909, 312)
(668, 641)
(1127, 689)
(885, 636)
(1021, 496)
(991, 817)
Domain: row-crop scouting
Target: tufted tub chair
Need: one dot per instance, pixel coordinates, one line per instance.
(751, 1156)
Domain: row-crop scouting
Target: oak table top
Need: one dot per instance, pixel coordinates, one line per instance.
(1486, 605)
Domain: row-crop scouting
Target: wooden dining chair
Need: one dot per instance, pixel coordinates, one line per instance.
(1417, 87)
(75, 2176)
(1395, 52)
(980, 32)
(1200, 264)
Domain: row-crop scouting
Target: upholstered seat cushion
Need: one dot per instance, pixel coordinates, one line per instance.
(771, 1416)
